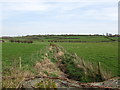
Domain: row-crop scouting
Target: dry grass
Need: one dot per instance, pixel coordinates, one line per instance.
(15, 77)
(47, 66)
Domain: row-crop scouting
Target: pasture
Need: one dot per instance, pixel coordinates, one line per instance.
(13, 52)
(25, 55)
(106, 53)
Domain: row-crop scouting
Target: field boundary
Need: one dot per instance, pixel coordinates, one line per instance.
(74, 84)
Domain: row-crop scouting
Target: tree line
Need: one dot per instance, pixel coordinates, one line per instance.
(22, 41)
(76, 41)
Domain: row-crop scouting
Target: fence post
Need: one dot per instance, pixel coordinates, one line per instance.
(20, 63)
(83, 62)
(99, 69)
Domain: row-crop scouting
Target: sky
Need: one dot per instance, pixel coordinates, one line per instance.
(33, 17)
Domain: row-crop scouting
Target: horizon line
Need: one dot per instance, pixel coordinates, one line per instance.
(59, 34)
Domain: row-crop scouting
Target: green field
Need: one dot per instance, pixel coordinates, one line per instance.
(12, 52)
(92, 51)
(106, 53)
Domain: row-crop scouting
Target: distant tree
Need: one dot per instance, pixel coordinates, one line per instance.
(11, 40)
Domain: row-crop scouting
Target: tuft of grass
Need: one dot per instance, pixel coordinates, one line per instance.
(47, 84)
(53, 75)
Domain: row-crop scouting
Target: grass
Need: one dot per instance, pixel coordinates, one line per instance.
(106, 53)
(89, 38)
(46, 84)
(13, 52)
(75, 67)
(28, 55)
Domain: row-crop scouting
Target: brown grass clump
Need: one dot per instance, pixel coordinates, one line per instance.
(50, 48)
(59, 54)
(46, 67)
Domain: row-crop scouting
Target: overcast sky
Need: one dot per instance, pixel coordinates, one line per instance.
(23, 17)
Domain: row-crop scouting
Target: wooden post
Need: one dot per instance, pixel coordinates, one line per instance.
(100, 72)
(99, 69)
(20, 63)
(83, 62)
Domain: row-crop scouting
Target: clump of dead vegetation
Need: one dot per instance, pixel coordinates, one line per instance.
(47, 68)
